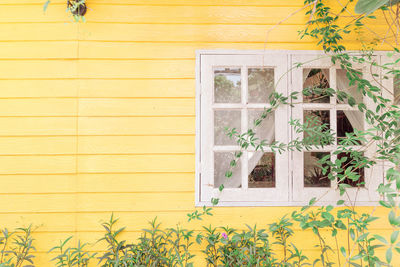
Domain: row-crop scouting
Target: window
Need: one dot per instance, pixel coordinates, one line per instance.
(233, 90)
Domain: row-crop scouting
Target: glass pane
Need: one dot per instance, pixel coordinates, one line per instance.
(225, 119)
(347, 121)
(262, 169)
(316, 118)
(396, 87)
(313, 170)
(227, 84)
(266, 129)
(343, 84)
(315, 81)
(348, 161)
(222, 162)
(261, 84)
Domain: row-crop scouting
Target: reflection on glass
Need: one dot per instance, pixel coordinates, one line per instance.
(225, 119)
(260, 84)
(343, 84)
(262, 169)
(347, 121)
(316, 118)
(358, 171)
(222, 162)
(266, 129)
(315, 83)
(313, 170)
(227, 84)
(396, 87)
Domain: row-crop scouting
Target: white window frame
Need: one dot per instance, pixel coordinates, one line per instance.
(287, 191)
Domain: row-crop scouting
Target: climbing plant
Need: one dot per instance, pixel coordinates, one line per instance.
(332, 30)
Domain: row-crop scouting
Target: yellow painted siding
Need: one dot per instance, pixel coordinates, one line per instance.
(99, 117)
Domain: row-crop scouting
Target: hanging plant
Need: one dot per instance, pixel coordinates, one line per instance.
(77, 8)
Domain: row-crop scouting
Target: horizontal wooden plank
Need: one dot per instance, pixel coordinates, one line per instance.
(45, 258)
(37, 164)
(137, 88)
(36, 50)
(198, 33)
(37, 184)
(194, 14)
(38, 203)
(156, 14)
(35, 13)
(185, 32)
(28, 2)
(235, 217)
(19, 126)
(173, 2)
(134, 144)
(39, 31)
(306, 238)
(135, 201)
(38, 107)
(37, 145)
(210, 14)
(165, 50)
(135, 107)
(135, 163)
(46, 222)
(136, 69)
(17, 69)
(137, 182)
(39, 88)
(136, 126)
(44, 241)
(149, 50)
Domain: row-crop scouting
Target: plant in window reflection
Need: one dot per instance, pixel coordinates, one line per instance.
(225, 86)
(316, 87)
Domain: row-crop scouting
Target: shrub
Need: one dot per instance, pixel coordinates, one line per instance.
(16, 247)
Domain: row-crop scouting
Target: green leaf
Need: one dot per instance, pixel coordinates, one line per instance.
(385, 204)
(369, 6)
(46, 5)
(312, 201)
(362, 237)
(392, 218)
(327, 216)
(389, 255)
(343, 251)
(352, 234)
(382, 239)
(215, 201)
(394, 236)
(340, 202)
(221, 187)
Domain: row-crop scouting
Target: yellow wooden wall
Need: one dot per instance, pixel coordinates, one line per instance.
(99, 117)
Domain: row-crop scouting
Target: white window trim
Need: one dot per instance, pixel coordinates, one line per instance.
(200, 197)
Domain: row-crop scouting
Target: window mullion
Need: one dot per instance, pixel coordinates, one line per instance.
(333, 115)
(244, 120)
